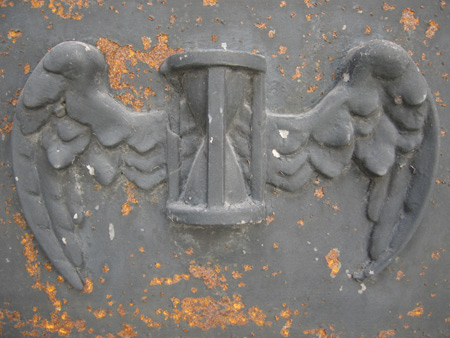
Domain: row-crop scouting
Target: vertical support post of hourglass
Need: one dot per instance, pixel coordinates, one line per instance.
(216, 137)
(258, 160)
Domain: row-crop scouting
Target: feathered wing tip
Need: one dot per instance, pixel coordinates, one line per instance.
(66, 119)
(381, 115)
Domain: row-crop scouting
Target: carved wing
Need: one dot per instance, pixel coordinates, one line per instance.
(380, 115)
(65, 120)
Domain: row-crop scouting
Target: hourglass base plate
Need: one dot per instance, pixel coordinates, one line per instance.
(243, 213)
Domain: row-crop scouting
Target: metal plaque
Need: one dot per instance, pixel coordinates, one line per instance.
(224, 168)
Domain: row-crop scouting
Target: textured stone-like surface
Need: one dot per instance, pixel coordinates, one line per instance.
(270, 279)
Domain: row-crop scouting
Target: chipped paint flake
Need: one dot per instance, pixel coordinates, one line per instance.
(283, 133)
(275, 153)
(363, 288)
(111, 231)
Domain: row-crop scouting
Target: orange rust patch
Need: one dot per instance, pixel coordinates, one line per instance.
(209, 2)
(150, 323)
(312, 89)
(121, 310)
(18, 218)
(118, 56)
(436, 255)
(26, 68)
(88, 285)
(169, 280)
(297, 74)
(388, 7)
(386, 334)
(321, 333)
(256, 315)
(400, 274)
(65, 8)
(319, 193)
(261, 25)
(432, 29)
(308, 3)
(236, 274)
(36, 3)
(368, 30)
(207, 313)
(127, 332)
(417, 312)
(14, 35)
(409, 20)
(131, 198)
(333, 261)
(100, 313)
(30, 254)
(210, 277)
(282, 50)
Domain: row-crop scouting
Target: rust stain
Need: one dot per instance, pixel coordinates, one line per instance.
(333, 261)
(436, 255)
(261, 25)
(400, 275)
(312, 89)
(65, 8)
(308, 3)
(211, 277)
(88, 285)
(117, 58)
(368, 30)
(26, 68)
(386, 334)
(14, 35)
(409, 20)
(131, 198)
(257, 315)
(207, 313)
(209, 2)
(99, 313)
(433, 27)
(36, 3)
(417, 312)
(127, 332)
(320, 333)
(319, 193)
(387, 7)
(443, 4)
(18, 218)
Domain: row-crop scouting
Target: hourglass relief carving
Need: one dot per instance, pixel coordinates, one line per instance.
(220, 147)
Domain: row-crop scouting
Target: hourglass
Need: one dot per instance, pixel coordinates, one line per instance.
(218, 184)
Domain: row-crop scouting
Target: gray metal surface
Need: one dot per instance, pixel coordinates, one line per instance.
(151, 277)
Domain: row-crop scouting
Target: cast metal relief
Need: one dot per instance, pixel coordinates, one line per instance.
(220, 147)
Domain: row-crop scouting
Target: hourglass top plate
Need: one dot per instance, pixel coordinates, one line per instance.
(211, 58)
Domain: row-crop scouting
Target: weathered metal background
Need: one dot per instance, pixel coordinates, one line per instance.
(264, 280)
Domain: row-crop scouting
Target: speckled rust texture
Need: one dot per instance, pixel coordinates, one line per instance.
(286, 277)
